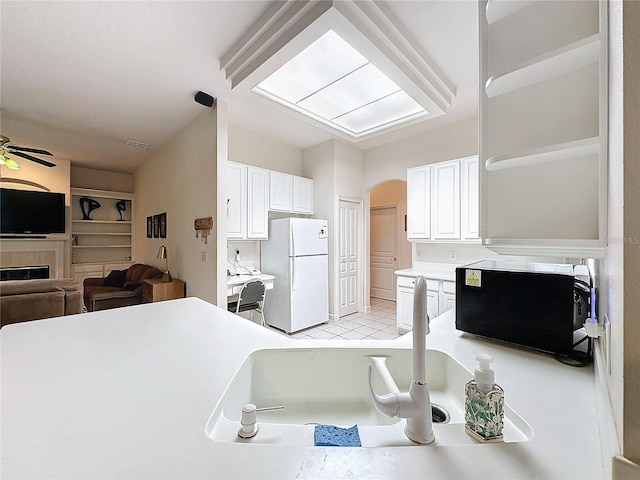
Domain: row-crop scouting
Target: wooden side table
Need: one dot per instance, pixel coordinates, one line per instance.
(153, 290)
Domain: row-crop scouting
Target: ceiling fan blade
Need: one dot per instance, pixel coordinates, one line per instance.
(33, 159)
(30, 150)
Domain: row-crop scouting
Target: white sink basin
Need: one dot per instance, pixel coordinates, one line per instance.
(330, 386)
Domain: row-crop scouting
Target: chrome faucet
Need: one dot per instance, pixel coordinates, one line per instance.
(414, 405)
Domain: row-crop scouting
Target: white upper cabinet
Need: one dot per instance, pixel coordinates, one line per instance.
(247, 202)
(280, 192)
(543, 112)
(419, 203)
(289, 193)
(236, 201)
(302, 195)
(257, 203)
(445, 200)
(252, 192)
(442, 201)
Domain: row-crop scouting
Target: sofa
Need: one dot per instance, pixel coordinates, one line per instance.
(25, 300)
(120, 288)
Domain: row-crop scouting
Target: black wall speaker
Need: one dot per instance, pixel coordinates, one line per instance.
(205, 99)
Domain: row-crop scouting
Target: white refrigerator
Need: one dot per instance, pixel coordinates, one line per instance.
(297, 253)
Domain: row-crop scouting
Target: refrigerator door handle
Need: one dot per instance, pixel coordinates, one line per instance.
(292, 252)
(293, 273)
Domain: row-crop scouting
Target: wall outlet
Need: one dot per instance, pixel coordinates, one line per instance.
(418, 253)
(204, 256)
(452, 254)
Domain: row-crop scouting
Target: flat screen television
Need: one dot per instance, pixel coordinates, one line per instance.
(31, 212)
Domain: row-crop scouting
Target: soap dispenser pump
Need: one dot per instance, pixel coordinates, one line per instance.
(484, 403)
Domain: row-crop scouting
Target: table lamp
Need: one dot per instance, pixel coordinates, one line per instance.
(162, 253)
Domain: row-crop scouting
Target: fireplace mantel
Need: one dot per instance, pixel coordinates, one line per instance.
(20, 252)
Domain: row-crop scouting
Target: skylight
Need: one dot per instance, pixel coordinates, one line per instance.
(332, 82)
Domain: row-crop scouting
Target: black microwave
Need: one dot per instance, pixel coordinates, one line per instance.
(532, 305)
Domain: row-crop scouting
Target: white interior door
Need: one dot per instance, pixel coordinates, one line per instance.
(348, 257)
(383, 252)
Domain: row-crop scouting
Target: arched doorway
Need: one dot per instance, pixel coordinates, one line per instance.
(389, 248)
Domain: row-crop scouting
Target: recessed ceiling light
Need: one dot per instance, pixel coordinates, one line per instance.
(332, 82)
(140, 145)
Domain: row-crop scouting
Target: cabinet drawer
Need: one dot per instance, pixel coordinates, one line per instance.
(449, 287)
(433, 285)
(406, 281)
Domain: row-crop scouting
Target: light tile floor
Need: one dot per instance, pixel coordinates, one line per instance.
(379, 324)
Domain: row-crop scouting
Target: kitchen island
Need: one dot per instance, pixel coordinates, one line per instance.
(126, 393)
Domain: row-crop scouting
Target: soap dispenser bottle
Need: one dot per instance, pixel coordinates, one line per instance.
(484, 403)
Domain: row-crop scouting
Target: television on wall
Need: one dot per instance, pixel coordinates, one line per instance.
(30, 212)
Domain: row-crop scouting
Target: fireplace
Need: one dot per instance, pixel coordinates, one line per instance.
(24, 273)
(34, 252)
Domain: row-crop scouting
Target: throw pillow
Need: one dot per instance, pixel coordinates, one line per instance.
(116, 278)
(130, 286)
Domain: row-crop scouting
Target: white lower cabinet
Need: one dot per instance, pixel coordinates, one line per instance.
(447, 297)
(440, 298)
(404, 307)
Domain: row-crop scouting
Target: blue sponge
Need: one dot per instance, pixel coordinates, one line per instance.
(332, 436)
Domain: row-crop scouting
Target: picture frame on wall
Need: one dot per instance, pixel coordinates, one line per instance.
(149, 227)
(156, 226)
(163, 225)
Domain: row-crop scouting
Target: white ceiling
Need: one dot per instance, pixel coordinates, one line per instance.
(80, 79)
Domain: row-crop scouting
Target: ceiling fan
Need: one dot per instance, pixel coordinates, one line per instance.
(6, 148)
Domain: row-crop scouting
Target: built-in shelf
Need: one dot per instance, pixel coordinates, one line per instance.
(101, 246)
(104, 241)
(88, 192)
(123, 222)
(551, 64)
(550, 153)
(94, 234)
(499, 9)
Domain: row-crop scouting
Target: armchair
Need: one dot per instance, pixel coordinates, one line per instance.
(119, 289)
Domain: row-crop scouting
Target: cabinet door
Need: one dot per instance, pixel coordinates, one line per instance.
(404, 309)
(447, 296)
(419, 203)
(469, 218)
(445, 200)
(236, 201)
(280, 192)
(302, 195)
(257, 203)
(433, 304)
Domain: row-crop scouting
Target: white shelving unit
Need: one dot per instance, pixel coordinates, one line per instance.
(105, 240)
(543, 125)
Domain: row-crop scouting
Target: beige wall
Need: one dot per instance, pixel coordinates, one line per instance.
(631, 436)
(390, 161)
(619, 377)
(264, 152)
(181, 180)
(56, 179)
(83, 177)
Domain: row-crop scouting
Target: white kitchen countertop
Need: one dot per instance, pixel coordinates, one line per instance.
(438, 271)
(235, 280)
(126, 393)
